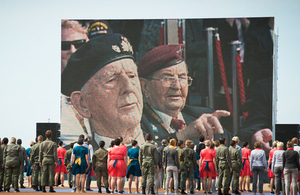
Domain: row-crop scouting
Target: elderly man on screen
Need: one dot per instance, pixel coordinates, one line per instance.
(164, 79)
(102, 82)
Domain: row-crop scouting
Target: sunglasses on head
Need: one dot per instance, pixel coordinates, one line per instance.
(65, 45)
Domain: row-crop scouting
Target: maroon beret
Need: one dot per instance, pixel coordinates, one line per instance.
(160, 57)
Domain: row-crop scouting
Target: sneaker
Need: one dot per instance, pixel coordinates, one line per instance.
(121, 192)
(248, 191)
(73, 190)
(62, 186)
(166, 193)
(82, 191)
(78, 191)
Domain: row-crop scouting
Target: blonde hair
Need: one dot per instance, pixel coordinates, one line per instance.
(280, 145)
(207, 143)
(31, 143)
(73, 24)
(275, 143)
(188, 143)
(13, 140)
(236, 139)
(257, 145)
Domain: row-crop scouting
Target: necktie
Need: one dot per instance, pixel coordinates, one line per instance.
(177, 124)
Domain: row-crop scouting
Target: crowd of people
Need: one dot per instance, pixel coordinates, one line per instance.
(175, 166)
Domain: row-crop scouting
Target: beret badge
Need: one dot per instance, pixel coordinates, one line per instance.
(125, 46)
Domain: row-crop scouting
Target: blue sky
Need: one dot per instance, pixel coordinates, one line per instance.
(30, 50)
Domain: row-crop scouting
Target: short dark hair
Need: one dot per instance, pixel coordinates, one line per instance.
(48, 134)
(5, 140)
(101, 144)
(134, 142)
(19, 141)
(201, 138)
(212, 145)
(148, 137)
(222, 140)
(120, 138)
(81, 136)
(71, 145)
(117, 142)
(169, 138)
(245, 144)
(112, 143)
(164, 142)
(232, 142)
(80, 141)
(60, 143)
(179, 143)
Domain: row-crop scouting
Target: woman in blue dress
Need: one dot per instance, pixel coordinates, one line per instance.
(28, 170)
(80, 163)
(133, 166)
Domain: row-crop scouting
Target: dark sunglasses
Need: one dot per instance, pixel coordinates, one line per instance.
(65, 45)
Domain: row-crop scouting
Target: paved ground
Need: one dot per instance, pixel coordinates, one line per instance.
(67, 191)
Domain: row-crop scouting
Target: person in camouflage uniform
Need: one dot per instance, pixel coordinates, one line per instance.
(2, 168)
(236, 160)
(188, 163)
(100, 166)
(48, 160)
(34, 163)
(148, 159)
(67, 163)
(180, 145)
(224, 165)
(12, 160)
(22, 169)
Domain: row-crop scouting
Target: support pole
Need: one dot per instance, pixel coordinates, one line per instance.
(210, 66)
(235, 45)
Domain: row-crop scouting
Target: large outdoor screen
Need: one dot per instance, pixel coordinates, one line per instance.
(226, 65)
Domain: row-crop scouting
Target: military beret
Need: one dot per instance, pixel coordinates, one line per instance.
(91, 57)
(160, 57)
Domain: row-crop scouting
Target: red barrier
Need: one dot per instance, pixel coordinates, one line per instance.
(223, 75)
(241, 82)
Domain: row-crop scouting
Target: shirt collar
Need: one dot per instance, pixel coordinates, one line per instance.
(167, 119)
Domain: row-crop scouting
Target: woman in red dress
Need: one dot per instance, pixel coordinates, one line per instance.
(117, 166)
(270, 173)
(207, 166)
(61, 168)
(246, 152)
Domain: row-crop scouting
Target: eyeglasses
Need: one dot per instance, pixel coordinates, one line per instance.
(65, 45)
(170, 81)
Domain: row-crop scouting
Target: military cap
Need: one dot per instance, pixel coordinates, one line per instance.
(160, 57)
(91, 57)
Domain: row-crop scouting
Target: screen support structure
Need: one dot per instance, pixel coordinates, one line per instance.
(275, 78)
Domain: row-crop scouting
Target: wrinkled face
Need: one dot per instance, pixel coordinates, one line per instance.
(169, 100)
(69, 34)
(113, 96)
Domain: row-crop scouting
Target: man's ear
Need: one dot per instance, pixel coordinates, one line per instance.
(80, 104)
(145, 88)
